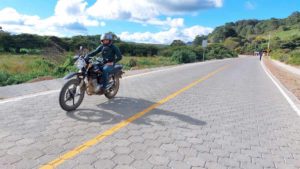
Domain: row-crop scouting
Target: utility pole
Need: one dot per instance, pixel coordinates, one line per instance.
(269, 45)
(255, 48)
(203, 54)
(204, 45)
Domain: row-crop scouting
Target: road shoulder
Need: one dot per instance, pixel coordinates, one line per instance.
(288, 81)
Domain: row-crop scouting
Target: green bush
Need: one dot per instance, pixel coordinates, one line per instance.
(199, 53)
(294, 58)
(232, 43)
(166, 52)
(184, 56)
(66, 67)
(3, 78)
(218, 51)
(9, 79)
(132, 63)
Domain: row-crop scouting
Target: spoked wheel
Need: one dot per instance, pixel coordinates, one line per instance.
(114, 89)
(71, 95)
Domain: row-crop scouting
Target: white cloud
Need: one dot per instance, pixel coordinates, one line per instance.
(166, 37)
(102, 23)
(147, 11)
(11, 16)
(168, 22)
(72, 17)
(191, 32)
(73, 11)
(249, 5)
(69, 18)
(18, 23)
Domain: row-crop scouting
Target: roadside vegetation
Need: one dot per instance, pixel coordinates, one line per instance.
(27, 57)
(247, 36)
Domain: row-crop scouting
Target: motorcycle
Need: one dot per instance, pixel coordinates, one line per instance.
(89, 81)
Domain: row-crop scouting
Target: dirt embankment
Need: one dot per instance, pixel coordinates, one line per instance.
(290, 80)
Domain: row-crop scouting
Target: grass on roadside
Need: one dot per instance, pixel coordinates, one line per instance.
(292, 58)
(15, 69)
(146, 62)
(12, 63)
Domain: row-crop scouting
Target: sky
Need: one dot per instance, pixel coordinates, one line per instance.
(146, 21)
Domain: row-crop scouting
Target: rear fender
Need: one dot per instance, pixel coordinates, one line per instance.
(118, 70)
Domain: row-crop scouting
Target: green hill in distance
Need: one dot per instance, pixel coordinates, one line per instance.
(247, 36)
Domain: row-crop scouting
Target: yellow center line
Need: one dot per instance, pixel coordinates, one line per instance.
(56, 162)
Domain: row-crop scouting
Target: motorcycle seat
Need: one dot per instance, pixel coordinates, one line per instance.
(118, 66)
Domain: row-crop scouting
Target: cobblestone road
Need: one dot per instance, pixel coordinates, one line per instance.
(235, 119)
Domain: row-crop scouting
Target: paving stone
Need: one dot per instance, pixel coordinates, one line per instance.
(122, 150)
(104, 164)
(122, 159)
(169, 147)
(195, 161)
(179, 165)
(159, 160)
(10, 159)
(142, 164)
(105, 154)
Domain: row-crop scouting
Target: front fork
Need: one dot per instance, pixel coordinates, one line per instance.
(82, 82)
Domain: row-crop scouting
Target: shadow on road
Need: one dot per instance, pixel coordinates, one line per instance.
(121, 108)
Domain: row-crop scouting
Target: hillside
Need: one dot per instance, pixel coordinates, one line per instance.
(248, 29)
(247, 36)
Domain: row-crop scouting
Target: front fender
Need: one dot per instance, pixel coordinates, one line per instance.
(70, 75)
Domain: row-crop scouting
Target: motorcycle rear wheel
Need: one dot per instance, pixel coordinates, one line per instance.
(69, 92)
(114, 89)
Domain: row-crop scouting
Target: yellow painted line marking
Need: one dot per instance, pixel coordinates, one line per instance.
(56, 162)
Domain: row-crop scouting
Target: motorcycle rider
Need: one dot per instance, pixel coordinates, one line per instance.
(111, 55)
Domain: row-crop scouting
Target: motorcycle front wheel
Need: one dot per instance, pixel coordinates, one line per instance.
(71, 95)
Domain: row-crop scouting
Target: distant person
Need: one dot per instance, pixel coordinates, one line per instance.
(260, 55)
(111, 55)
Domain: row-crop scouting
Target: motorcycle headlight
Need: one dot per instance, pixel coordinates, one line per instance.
(80, 63)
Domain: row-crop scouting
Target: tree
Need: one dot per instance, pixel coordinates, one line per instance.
(229, 32)
(198, 40)
(28, 41)
(259, 40)
(217, 35)
(178, 43)
(293, 19)
(6, 41)
(232, 43)
(223, 32)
